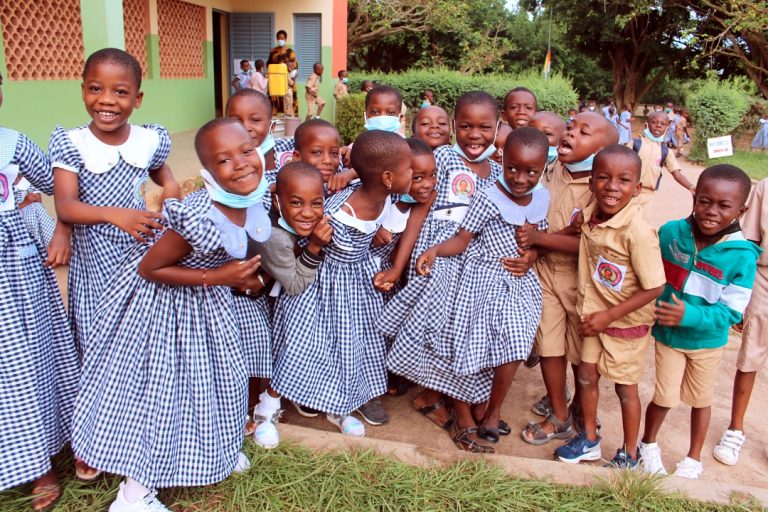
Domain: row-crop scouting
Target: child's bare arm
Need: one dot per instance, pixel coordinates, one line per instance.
(682, 180)
(556, 242)
(454, 246)
(598, 322)
(163, 177)
(71, 210)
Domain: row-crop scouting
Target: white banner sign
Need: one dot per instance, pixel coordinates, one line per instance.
(719, 146)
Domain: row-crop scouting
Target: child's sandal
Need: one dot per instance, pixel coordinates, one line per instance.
(534, 434)
(461, 438)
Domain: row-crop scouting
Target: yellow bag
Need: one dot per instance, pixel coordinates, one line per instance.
(278, 79)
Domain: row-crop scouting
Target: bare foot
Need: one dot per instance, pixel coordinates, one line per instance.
(46, 491)
(84, 471)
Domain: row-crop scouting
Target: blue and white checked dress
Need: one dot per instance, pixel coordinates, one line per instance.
(417, 315)
(164, 389)
(328, 354)
(495, 314)
(108, 176)
(39, 367)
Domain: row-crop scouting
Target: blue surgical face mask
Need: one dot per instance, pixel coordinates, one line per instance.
(384, 123)
(283, 224)
(584, 165)
(408, 198)
(503, 182)
(551, 154)
(652, 137)
(268, 144)
(281, 42)
(220, 195)
(345, 80)
(490, 150)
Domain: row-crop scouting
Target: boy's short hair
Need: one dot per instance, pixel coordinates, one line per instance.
(621, 151)
(520, 89)
(305, 128)
(373, 151)
(244, 60)
(658, 113)
(366, 83)
(382, 90)
(316, 64)
(258, 64)
(476, 98)
(207, 128)
(116, 56)
(341, 71)
(728, 172)
(418, 147)
(259, 96)
(529, 137)
(297, 170)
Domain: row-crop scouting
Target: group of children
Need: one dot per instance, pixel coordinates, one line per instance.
(326, 276)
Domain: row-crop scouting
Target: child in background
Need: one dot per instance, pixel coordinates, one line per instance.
(493, 314)
(553, 127)
(571, 114)
(710, 268)
(99, 171)
(366, 86)
(166, 346)
(558, 341)
(328, 355)
(254, 111)
(753, 352)
(288, 107)
(37, 220)
(624, 124)
(501, 140)
(519, 107)
(620, 275)
(414, 317)
(299, 214)
(38, 360)
(341, 88)
(432, 125)
(428, 98)
(655, 155)
(681, 132)
(313, 92)
(613, 118)
(259, 82)
(761, 137)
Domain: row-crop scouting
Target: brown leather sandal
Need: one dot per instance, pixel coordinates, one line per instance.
(429, 412)
(461, 438)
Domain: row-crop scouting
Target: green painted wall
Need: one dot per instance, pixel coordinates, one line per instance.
(104, 19)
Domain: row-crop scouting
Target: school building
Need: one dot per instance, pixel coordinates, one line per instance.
(189, 51)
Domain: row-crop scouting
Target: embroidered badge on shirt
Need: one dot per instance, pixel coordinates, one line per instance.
(7, 177)
(609, 274)
(462, 187)
(678, 254)
(284, 158)
(139, 188)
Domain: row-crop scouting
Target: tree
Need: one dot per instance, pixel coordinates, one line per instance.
(734, 30)
(368, 21)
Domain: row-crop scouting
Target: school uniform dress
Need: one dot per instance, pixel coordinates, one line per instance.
(37, 220)
(164, 387)
(38, 362)
(395, 223)
(328, 355)
(417, 315)
(625, 134)
(495, 314)
(108, 176)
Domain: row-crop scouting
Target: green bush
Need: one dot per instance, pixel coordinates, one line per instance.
(717, 108)
(349, 116)
(555, 94)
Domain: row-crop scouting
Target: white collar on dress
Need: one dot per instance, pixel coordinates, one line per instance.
(517, 215)
(98, 157)
(364, 226)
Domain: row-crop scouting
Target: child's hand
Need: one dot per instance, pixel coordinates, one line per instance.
(242, 275)
(425, 261)
(526, 235)
(670, 314)
(340, 180)
(344, 153)
(60, 248)
(320, 236)
(137, 223)
(739, 327)
(518, 267)
(577, 221)
(382, 237)
(385, 280)
(595, 323)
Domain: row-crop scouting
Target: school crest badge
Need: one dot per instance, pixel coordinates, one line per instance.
(609, 274)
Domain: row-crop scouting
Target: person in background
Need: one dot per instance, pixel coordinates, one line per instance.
(342, 86)
(258, 80)
(282, 54)
(313, 92)
(243, 77)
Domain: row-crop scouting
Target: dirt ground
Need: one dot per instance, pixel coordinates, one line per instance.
(406, 425)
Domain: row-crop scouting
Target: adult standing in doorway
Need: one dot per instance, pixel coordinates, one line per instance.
(282, 54)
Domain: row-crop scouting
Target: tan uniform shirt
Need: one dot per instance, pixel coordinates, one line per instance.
(618, 258)
(340, 90)
(650, 156)
(754, 223)
(313, 85)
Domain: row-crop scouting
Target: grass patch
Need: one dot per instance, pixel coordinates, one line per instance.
(293, 478)
(754, 163)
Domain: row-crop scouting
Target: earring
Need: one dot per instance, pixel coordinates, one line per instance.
(389, 187)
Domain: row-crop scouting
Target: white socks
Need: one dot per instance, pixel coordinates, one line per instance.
(267, 405)
(134, 491)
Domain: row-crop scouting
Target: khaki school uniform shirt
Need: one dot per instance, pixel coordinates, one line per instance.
(650, 156)
(618, 258)
(754, 223)
(340, 90)
(567, 197)
(313, 83)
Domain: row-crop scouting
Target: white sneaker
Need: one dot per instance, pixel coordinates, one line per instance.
(266, 434)
(728, 449)
(242, 465)
(650, 459)
(349, 425)
(689, 468)
(148, 503)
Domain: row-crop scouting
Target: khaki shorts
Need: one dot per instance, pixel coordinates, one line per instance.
(312, 101)
(558, 333)
(754, 341)
(685, 375)
(621, 360)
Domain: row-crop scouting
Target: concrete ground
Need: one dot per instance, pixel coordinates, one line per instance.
(407, 426)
